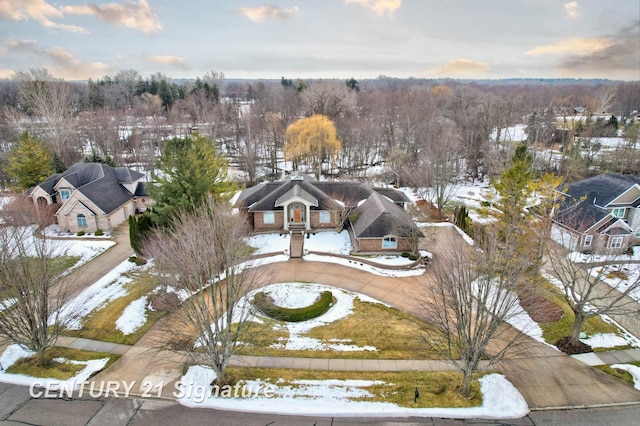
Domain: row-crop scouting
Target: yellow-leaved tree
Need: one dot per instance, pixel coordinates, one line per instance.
(313, 139)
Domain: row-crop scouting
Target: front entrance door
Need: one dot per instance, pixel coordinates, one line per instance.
(296, 215)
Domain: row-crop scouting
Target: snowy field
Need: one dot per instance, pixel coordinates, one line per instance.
(312, 397)
(269, 243)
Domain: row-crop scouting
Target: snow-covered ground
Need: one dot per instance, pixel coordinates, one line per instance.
(295, 295)
(269, 243)
(329, 242)
(106, 289)
(633, 370)
(632, 273)
(133, 317)
(312, 397)
(14, 352)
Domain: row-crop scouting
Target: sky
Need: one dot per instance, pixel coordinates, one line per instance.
(468, 39)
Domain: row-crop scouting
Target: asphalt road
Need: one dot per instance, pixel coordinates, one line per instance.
(17, 407)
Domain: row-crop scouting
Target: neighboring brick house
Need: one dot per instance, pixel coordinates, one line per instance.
(92, 196)
(377, 219)
(600, 214)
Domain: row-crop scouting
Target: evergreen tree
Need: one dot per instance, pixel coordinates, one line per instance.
(189, 172)
(57, 164)
(29, 162)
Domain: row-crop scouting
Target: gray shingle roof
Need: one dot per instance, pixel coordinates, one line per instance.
(602, 189)
(98, 182)
(379, 216)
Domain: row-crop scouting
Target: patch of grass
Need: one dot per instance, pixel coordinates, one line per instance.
(394, 334)
(617, 274)
(319, 307)
(437, 389)
(58, 370)
(553, 331)
(616, 372)
(101, 324)
(64, 263)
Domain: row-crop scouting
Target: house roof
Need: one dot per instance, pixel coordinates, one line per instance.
(378, 216)
(602, 189)
(584, 201)
(268, 195)
(99, 183)
(296, 191)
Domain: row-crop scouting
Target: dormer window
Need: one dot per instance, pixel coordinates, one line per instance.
(65, 194)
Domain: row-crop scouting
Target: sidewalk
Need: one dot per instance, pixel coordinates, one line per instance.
(610, 357)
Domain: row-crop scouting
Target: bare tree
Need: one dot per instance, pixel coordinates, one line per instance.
(51, 102)
(439, 165)
(584, 289)
(203, 255)
(471, 298)
(31, 294)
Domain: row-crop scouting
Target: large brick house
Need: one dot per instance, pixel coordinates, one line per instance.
(600, 214)
(92, 196)
(375, 217)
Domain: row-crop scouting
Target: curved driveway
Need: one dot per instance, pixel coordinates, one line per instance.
(545, 377)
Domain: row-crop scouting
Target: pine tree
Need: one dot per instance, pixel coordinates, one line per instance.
(189, 172)
(29, 163)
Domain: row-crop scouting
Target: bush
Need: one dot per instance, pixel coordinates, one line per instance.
(413, 257)
(405, 254)
(98, 233)
(138, 260)
(486, 204)
(264, 305)
(80, 233)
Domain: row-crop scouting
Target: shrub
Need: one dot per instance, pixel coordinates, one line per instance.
(138, 260)
(485, 204)
(413, 257)
(263, 304)
(405, 254)
(80, 233)
(98, 233)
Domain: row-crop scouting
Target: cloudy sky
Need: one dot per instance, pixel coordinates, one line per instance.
(80, 39)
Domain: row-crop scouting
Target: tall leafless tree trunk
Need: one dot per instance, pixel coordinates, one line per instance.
(204, 256)
(585, 291)
(32, 294)
(471, 298)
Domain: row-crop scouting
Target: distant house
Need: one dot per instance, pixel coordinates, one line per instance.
(92, 196)
(375, 217)
(600, 214)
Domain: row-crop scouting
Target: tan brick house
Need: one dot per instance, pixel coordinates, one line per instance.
(375, 217)
(92, 196)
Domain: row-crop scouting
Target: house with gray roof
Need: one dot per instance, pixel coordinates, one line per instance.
(375, 217)
(92, 196)
(601, 214)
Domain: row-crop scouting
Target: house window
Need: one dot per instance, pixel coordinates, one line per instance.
(64, 194)
(82, 220)
(269, 218)
(389, 242)
(325, 216)
(588, 239)
(618, 212)
(638, 233)
(616, 242)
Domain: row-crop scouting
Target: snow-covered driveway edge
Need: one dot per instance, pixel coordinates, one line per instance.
(501, 400)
